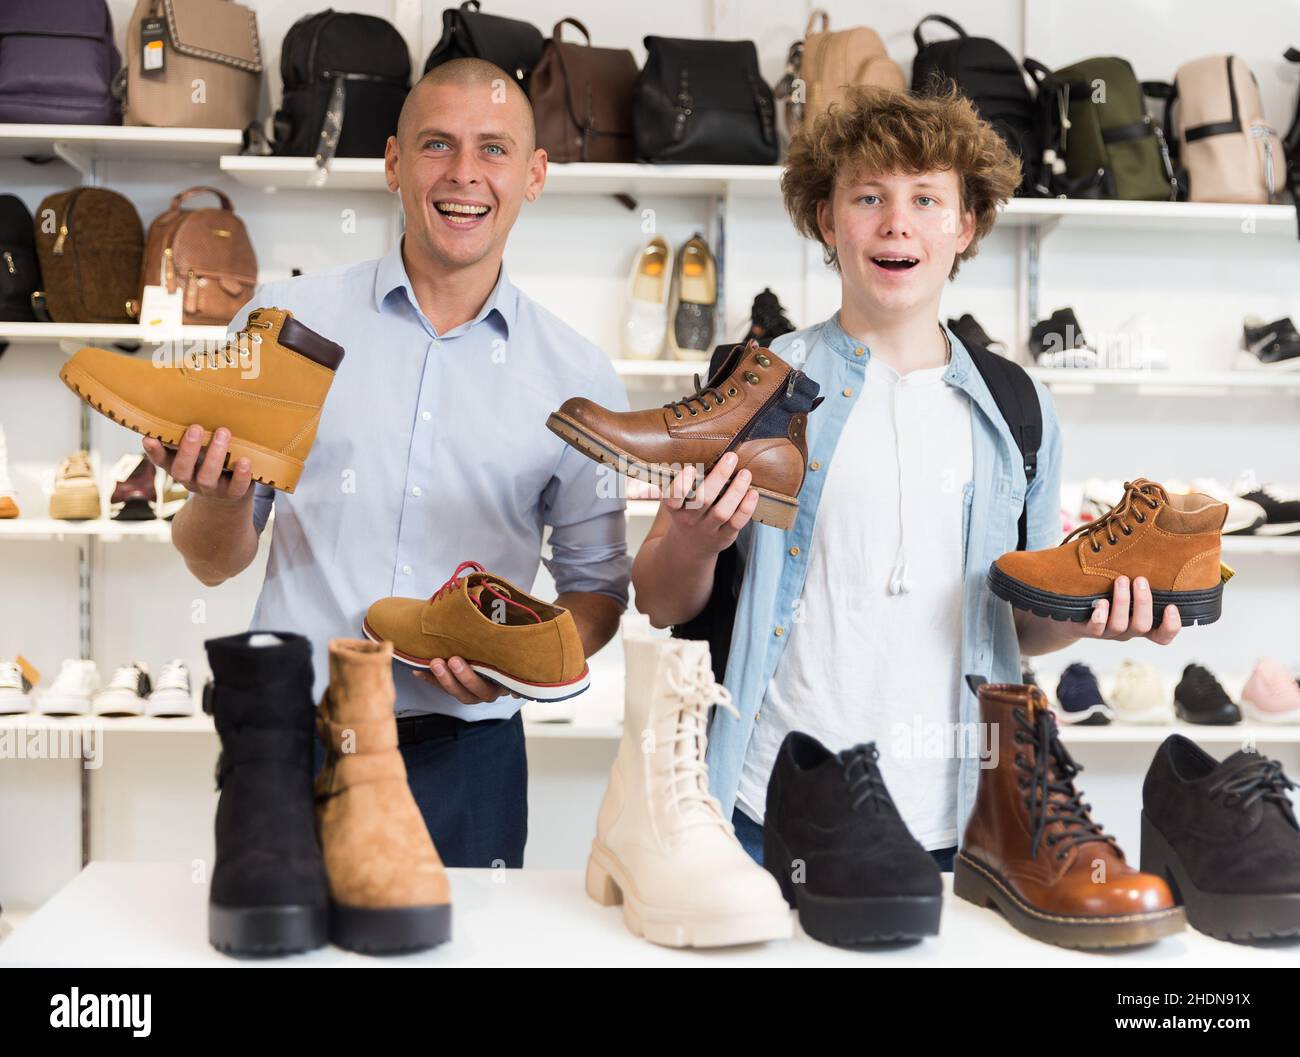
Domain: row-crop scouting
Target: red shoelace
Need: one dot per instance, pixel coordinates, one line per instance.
(453, 584)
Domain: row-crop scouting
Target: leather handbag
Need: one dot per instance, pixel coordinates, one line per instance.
(704, 101)
(58, 62)
(582, 99)
(90, 242)
(205, 253)
(467, 33)
(832, 61)
(20, 273)
(208, 43)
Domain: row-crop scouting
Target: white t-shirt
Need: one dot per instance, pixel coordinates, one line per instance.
(874, 653)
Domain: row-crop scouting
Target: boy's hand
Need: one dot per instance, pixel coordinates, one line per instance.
(709, 522)
(1112, 619)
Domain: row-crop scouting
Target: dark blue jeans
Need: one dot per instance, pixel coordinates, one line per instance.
(750, 835)
(472, 789)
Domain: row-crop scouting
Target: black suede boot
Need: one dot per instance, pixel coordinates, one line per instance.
(269, 891)
(841, 852)
(1224, 836)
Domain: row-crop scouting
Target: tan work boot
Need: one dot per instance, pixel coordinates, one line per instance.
(528, 646)
(662, 847)
(754, 405)
(1171, 540)
(1032, 850)
(267, 387)
(76, 495)
(388, 888)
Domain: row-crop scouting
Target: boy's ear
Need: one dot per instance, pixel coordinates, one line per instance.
(826, 221)
(966, 232)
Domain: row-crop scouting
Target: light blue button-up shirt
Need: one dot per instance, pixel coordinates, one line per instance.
(774, 576)
(433, 449)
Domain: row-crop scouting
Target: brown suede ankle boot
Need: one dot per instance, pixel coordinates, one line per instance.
(388, 888)
(1032, 850)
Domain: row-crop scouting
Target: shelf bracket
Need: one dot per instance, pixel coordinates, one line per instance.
(79, 159)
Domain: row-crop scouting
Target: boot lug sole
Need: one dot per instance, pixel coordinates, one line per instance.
(389, 930)
(773, 508)
(267, 930)
(268, 467)
(1194, 607)
(976, 883)
(1236, 917)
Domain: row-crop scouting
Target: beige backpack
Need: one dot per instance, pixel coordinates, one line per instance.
(832, 61)
(1227, 151)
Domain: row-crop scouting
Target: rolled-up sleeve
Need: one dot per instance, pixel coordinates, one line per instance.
(584, 507)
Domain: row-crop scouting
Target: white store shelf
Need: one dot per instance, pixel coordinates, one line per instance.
(105, 333)
(34, 528)
(302, 174)
(1087, 380)
(1136, 734)
(81, 145)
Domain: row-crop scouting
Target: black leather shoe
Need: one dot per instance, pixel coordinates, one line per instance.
(1272, 344)
(841, 852)
(1198, 698)
(1225, 838)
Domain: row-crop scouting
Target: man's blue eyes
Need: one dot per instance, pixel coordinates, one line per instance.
(438, 144)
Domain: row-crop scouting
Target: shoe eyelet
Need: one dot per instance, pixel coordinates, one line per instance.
(720, 401)
(732, 391)
(1096, 549)
(1127, 530)
(1112, 540)
(1141, 518)
(707, 407)
(694, 413)
(751, 378)
(679, 415)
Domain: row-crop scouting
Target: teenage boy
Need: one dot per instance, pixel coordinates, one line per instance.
(432, 449)
(860, 621)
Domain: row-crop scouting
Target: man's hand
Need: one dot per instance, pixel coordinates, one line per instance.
(202, 473)
(1112, 620)
(458, 679)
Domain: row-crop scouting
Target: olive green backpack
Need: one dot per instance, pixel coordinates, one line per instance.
(1113, 149)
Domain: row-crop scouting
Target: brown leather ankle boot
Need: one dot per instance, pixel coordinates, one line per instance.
(388, 889)
(1032, 850)
(754, 405)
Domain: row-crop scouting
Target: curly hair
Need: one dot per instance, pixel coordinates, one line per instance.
(880, 130)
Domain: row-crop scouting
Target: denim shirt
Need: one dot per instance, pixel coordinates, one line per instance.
(991, 504)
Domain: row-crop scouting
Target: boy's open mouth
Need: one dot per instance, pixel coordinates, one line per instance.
(895, 264)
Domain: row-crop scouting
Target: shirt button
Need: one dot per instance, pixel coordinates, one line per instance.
(416, 492)
(848, 392)
(814, 465)
(758, 716)
(858, 351)
(426, 416)
(406, 570)
(794, 552)
(778, 632)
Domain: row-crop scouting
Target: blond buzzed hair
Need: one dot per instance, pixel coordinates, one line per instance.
(469, 73)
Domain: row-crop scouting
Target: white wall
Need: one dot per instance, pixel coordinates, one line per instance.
(153, 797)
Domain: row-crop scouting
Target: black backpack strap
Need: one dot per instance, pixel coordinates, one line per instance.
(1014, 393)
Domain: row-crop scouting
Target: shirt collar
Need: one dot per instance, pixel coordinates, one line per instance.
(391, 276)
(842, 344)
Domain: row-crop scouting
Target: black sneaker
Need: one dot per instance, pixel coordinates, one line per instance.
(1281, 510)
(1198, 698)
(1058, 341)
(968, 329)
(1275, 345)
(767, 319)
(1224, 836)
(1078, 698)
(841, 852)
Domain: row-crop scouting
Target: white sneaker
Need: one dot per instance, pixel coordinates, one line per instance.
(648, 286)
(172, 694)
(15, 690)
(1139, 695)
(125, 693)
(1067, 358)
(8, 497)
(69, 694)
(662, 847)
(1132, 347)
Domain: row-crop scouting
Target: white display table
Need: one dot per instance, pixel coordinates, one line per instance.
(154, 914)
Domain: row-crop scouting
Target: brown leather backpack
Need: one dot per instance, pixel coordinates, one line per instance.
(89, 241)
(833, 60)
(204, 252)
(582, 97)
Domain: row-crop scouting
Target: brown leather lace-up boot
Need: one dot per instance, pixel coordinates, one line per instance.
(267, 387)
(1031, 849)
(754, 405)
(1171, 540)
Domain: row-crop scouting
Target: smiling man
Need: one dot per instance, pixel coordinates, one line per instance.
(858, 623)
(432, 449)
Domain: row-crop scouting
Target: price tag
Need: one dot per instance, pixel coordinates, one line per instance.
(153, 35)
(160, 311)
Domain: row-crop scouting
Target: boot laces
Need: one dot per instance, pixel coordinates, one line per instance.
(699, 396)
(866, 784)
(688, 778)
(227, 354)
(1260, 780)
(1138, 493)
(453, 584)
(1050, 795)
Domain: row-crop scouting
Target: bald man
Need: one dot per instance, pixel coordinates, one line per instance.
(432, 450)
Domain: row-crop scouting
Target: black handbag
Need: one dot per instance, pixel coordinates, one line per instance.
(513, 45)
(20, 271)
(345, 79)
(704, 101)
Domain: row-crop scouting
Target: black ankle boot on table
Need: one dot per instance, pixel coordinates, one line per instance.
(269, 891)
(840, 851)
(1224, 836)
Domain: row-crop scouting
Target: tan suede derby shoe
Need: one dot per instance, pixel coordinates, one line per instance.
(1170, 540)
(519, 642)
(267, 387)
